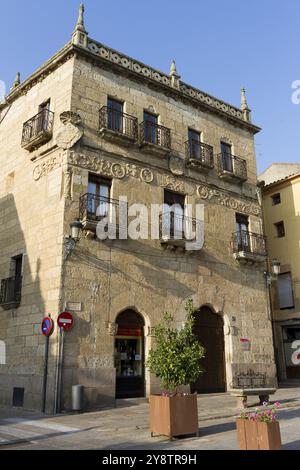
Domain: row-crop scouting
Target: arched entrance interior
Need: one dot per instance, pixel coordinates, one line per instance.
(208, 328)
(129, 355)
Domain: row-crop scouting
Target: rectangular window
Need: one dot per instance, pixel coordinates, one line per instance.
(226, 152)
(43, 119)
(151, 130)
(173, 218)
(194, 147)
(285, 291)
(276, 199)
(280, 231)
(98, 196)
(242, 229)
(115, 115)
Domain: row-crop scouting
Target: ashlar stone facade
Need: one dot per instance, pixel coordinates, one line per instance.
(41, 194)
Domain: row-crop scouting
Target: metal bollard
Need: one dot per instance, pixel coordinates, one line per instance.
(77, 397)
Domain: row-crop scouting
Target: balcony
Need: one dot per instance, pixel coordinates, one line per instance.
(176, 229)
(118, 127)
(37, 130)
(10, 293)
(93, 209)
(232, 168)
(154, 138)
(249, 247)
(199, 155)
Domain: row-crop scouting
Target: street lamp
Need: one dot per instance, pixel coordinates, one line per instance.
(71, 240)
(75, 227)
(272, 276)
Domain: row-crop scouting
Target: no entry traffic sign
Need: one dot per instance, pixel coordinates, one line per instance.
(65, 321)
(47, 326)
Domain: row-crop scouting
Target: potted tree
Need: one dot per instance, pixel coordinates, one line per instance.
(259, 430)
(175, 360)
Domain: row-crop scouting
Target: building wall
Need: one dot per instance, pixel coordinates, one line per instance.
(32, 212)
(286, 250)
(109, 277)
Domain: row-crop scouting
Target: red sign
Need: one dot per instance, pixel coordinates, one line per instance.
(129, 332)
(47, 326)
(65, 321)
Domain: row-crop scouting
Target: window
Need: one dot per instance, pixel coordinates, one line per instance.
(194, 147)
(226, 152)
(43, 119)
(242, 229)
(279, 226)
(173, 213)
(150, 123)
(115, 115)
(276, 199)
(98, 196)
(285, 291)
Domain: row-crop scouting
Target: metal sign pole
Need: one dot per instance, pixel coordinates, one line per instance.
(44, 392)
(60, 368)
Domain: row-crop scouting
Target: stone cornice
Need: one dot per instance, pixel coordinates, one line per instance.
(46, 69)
(114, 59)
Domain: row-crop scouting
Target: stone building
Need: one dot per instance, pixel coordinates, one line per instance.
(281, 207)
(91, 125)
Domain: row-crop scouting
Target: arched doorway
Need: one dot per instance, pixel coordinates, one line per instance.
(208, 328)
(129, 355)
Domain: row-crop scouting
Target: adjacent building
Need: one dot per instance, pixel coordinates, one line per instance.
(92, 125)
(281, 205)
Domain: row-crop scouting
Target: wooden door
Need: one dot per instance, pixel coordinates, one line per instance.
(208, 328)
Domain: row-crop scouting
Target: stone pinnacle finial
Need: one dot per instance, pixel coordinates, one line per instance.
(80, 35)
(173, 70)
(175, 83)
(244, 105)
(17, 81)
(80, 21)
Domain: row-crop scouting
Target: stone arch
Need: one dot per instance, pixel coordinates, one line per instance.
(129, 350)
(209, 329)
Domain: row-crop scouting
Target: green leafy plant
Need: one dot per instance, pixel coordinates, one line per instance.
(175, 359)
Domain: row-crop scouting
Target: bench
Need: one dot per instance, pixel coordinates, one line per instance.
(250, 383)
(243, 393)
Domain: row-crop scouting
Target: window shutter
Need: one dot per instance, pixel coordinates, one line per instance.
(285, 291)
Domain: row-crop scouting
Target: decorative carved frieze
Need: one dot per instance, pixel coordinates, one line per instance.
(173, 184)
(220, 197)
(176, 165)
(44, 168)
(113, 169)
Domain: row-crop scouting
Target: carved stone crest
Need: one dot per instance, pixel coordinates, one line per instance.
(176, 165)
(71, 131)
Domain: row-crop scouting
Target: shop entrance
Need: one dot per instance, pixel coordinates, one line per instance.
(129, 355)
(208, 328)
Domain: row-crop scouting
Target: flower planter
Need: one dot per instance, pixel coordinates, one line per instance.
(173, 416)
(256, 435)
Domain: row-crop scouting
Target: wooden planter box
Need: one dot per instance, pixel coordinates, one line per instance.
(252, 435)
(173, 416)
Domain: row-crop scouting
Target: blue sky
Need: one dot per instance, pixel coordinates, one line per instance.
(218, 46)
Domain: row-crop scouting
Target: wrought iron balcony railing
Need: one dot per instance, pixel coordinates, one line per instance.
(230, 165)
(94, 208)
(38, 129)
(155, 134)
(249, 242)
(200, 153)
(177, 227)
(119, 122)
(10, 291)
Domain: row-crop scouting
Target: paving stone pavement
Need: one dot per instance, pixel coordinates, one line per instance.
(126, 426)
